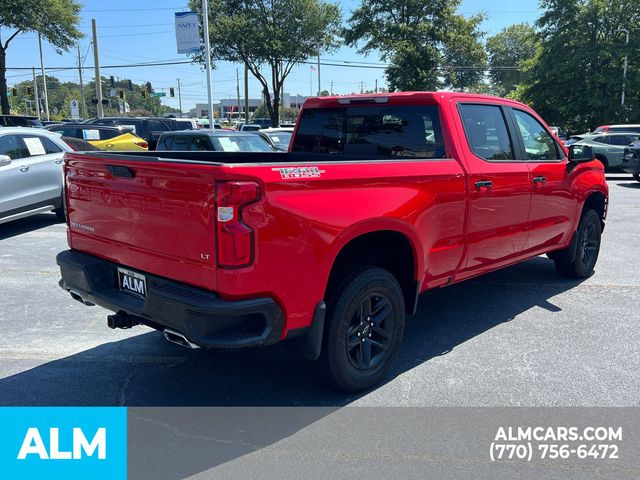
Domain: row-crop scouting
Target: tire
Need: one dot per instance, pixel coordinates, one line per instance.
(60, 212)
(636, 176)
(588, 247)
(365, 323)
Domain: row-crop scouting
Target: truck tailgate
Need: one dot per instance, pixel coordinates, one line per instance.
(144, 213)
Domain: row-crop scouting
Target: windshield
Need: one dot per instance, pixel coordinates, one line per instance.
(573, 140)
(240, 143)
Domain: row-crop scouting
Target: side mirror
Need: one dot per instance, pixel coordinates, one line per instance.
(579, 154)
(4, 160)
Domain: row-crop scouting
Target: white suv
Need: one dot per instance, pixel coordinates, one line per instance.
(30, 172)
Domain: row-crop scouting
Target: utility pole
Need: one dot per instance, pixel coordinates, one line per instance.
(319, 90)
(281, 118)
(376, 90)
(331, 91)
(179, 99)
(81, 85)
(624, 71)
(246, 93)
(207, 53)
(238, 91)
(35, 92)
(44, 78)
(96, 62)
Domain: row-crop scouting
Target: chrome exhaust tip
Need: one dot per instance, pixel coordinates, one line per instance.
(178, 338)
(76, 296)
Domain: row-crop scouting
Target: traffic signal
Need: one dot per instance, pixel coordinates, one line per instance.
(130, 85)
(112, 80)
(144, 93)
(121, 93)
(14, 92)
(171, 92)
(29, 91)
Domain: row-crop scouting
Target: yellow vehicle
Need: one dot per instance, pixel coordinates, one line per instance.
(106, 138)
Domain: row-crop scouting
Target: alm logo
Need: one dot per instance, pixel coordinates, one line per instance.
(34, 445)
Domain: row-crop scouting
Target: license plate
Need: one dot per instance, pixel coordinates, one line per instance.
(132, 282)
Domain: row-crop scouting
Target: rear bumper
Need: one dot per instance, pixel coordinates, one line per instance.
(201, 316)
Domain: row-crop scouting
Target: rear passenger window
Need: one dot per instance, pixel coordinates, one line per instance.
(538, 143)
(486, 131)
(50, 146)
(384, 131)
(619, 140)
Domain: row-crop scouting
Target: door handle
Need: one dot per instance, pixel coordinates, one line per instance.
(483, 184)
(58, 161)
(24, 169)
(539, 179)
(109, 145)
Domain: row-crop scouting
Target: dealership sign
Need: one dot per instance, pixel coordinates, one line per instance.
(187, 32)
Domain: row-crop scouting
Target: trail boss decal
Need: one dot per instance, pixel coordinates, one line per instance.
(299, 172)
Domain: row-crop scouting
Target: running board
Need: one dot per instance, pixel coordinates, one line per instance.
(28, 213)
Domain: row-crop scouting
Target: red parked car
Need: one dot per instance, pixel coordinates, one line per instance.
(380, 198)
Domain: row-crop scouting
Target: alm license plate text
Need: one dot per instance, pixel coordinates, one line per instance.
(132, 282)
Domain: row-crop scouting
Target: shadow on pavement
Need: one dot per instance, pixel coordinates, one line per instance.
(634, 185)
(145, 370)
(28, 224)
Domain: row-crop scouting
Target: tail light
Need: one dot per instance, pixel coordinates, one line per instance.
(142, 143)
(236, 243)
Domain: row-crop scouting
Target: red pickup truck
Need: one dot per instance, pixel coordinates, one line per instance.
(379, 198)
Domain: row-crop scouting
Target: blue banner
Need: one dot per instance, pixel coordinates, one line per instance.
(63, 442)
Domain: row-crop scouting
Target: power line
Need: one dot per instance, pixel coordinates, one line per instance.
(306, 62)
(127, 9)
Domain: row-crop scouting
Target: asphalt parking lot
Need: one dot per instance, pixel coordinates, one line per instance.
(519, 337)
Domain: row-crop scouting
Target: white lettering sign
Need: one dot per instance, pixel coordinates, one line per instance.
(34, 445)
(187, 32)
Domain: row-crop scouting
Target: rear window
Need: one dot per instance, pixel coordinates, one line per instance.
(240, 143)
(386, 131)
(251, 128)
(184, 125)
(623, 128)
(281, 139)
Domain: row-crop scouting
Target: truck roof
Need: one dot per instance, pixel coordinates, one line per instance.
(399, 98)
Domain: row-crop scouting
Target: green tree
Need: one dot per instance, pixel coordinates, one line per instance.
(271, 35)
(508, 52)
(60, 96)
(427, 44)
(56, 20)
(575, 78)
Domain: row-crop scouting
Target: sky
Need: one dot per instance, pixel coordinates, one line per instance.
(143, 31)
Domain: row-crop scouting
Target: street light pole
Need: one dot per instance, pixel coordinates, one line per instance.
(44, 78)
(319, 70)
(207, 53)
(624, 72)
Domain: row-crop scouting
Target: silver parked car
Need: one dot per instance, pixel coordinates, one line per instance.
(608, 148)
(30, 172)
